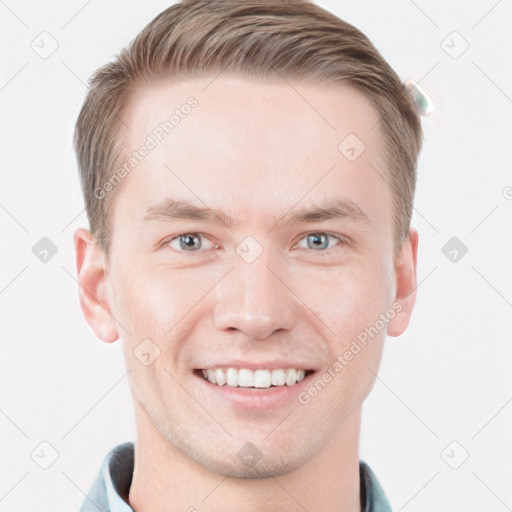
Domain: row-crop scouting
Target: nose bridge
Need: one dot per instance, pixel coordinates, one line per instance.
(253, 299)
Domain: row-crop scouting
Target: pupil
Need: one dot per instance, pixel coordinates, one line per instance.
(188, 241)
(318, 239)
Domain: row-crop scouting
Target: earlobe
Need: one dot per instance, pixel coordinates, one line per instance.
(405, 275)
(93, 289)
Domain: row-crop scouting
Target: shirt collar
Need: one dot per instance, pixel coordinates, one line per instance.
(109, 492)
(373, 497)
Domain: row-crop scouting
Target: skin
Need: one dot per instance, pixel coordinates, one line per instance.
(257, 151)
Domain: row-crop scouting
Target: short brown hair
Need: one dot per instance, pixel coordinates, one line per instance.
(262, 39)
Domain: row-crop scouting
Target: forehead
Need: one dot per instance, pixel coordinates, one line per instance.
(304, 111)
(245, 146)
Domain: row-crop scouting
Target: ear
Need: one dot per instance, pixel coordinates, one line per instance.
(93, 290)
(405, 275)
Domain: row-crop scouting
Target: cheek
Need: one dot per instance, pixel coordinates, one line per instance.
(149, 302)
(163, 304)
(156, 304)
(346, 299)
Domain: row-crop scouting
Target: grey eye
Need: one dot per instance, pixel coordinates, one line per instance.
(188, 242)
(318, 241)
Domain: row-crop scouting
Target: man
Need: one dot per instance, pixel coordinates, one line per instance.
(248, 170)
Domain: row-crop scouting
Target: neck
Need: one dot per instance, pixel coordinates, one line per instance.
(166, 479)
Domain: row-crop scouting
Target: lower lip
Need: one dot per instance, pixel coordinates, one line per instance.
(259, 398)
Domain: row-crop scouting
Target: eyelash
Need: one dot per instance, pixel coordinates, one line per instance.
(341, 241)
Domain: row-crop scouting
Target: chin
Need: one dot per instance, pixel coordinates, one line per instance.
(264, 459)
(262, 468)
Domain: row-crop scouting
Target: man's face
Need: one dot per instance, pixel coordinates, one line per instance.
(265, 291)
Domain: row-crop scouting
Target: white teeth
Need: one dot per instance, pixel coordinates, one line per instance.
(211, 376)
(253, 379)
(232, 377)
(291, 377)
(262, 379)
(220, 377)
(246, 378)
(278, 377)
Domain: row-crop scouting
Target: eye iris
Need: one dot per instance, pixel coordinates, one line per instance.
(317, 237)
(187, 241)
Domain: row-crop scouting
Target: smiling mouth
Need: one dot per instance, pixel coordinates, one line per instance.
(253, 379)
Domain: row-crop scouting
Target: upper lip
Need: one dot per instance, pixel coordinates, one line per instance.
(275, 364)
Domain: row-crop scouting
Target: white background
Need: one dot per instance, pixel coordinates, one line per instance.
(446, 379)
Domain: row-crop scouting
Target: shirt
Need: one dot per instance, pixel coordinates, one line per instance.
(110, 490)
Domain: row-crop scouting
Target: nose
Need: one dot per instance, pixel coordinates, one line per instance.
(256, 299)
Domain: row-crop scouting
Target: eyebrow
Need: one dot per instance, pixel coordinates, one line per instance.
(173, 209)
